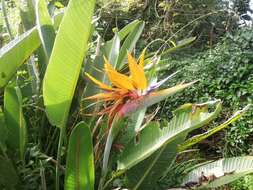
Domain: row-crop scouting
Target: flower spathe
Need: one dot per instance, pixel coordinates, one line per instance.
(128, 93)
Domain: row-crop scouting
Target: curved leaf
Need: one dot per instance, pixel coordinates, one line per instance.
(45, 26)
(197, 138)
(66, 59)
(186, 118)
(15, 53)
(145, 175)
(57, 19)
(180, 44)
(80, 164)
(129, 44)
(127, 29)
(220, 172)
(14, 118)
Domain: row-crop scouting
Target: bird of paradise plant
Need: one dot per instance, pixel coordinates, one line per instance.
(128, 94)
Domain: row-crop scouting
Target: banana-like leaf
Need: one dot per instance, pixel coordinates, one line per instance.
(219, 172)
(197, 138)
(8, 175)
(80, 162)
(133, 107)
(187, 118)
(15, 122)
(27, 14)
(117, 125)
(129, 44)
(145, 175)
(15, 53)
(66, 59)
(35, 72)
(45, 27)
(179, 45)
(114, 47)
(127, 29)
(57, 20)
(124, 32)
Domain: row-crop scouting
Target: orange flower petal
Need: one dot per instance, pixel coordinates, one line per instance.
(100, 84)
(137, 73)
(117, 79)
(103, 96)
(141, 58)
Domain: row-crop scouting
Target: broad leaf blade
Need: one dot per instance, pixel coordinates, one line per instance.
(179, 45)
(129, 44)
(186, 118)
(57, 20)
(15, 121)
(66, 59)
(113, 50)
(146, 174)
(8, 175)
(14, 54)
(220, 172)
(45, 27)
(127, 29)
(80, 164)
(197, 138)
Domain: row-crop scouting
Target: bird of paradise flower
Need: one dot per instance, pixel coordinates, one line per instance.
(128, 94)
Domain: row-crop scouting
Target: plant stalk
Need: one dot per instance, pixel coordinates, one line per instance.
(57, 168)
(6, 20)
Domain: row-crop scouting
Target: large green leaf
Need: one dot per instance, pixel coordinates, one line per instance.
(128, 29)
(66, 59)
(197, 138)
(178, 45)
(8, 175)
(129, 44)
(80, 165)
(219, 173)
(113, 52)
(45, 27)
(14, 118)
(187, 118)
(124, 32)
(146, 174)
(15, 53)
(57, 20)
(27, 14)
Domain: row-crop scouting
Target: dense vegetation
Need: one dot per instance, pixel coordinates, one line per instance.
(126, 94)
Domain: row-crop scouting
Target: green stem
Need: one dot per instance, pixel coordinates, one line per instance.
(57, 173)
(118, 174)
(6, 20)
